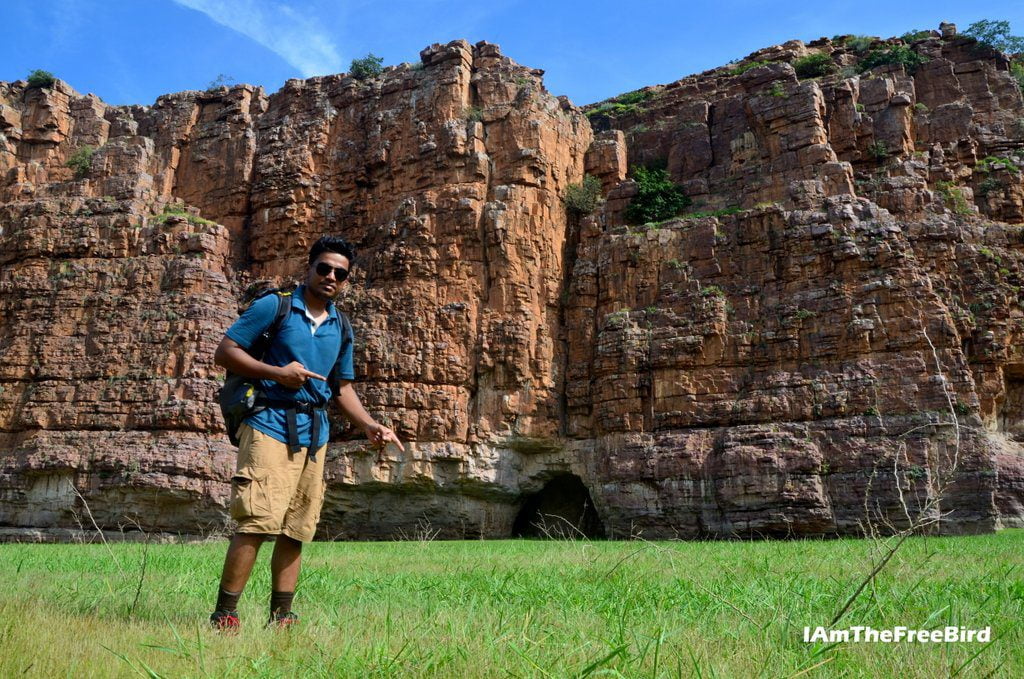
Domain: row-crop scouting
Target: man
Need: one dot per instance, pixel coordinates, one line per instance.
(278, 488)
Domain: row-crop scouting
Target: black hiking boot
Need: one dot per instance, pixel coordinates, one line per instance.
(283, 620)
(225, 621)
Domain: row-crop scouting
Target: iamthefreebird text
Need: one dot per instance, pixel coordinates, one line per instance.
(865, 634)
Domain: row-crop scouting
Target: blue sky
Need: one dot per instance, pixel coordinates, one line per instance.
(131, 51)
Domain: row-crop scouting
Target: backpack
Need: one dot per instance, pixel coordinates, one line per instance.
(239, 395)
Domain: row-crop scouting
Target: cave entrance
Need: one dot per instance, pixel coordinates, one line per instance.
(562, 509)
(1011, 414)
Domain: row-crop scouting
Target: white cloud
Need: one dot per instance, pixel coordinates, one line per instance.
(298, 39)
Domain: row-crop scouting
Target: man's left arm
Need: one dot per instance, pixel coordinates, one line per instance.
(348, 402)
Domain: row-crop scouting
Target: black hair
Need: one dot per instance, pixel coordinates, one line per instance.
(335, 244)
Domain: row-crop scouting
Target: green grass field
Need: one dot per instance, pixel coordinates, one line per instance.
(516, 608)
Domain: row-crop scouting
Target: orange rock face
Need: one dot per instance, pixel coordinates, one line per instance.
(823, 347)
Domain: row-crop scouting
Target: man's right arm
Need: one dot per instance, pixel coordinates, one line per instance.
(231, 353)
(231, 356)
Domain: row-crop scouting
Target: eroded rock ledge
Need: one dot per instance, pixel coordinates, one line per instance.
(804, 348)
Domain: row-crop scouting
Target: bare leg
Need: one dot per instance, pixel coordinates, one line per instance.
(284, 564)
(239, 561)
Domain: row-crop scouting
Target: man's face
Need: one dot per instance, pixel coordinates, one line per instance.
(326, 285)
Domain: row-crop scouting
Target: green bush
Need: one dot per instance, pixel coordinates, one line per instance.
(743, 68)
(622, 104)
(953, 197)
(914, 36)
(898, 54)
(996, 34)
(80, 161)
(858, 43)
(1017, 71)
(990, 163)
(878, 150)
(369, 66)
(657, 197)
(712, 291)
(178, 210)
(634, 97)
(583, 198)
(988, 185)
(814, 65)
(613, 109)
(40, 78)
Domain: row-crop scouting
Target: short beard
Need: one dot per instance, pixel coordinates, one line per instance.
(322, 296)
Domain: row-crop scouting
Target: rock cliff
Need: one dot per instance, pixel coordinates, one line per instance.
(838, 317)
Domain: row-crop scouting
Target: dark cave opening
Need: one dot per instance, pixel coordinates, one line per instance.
(562, 509)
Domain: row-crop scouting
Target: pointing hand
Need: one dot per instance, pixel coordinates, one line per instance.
(379, 436)
(294, 375)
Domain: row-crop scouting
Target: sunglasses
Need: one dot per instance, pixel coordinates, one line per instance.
(340, 273)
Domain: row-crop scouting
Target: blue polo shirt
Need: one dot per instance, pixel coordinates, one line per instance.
(326, 352)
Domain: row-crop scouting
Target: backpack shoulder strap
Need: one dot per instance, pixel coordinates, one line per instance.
(284, 304)
(346, 336)
(266, 338)
(346, 327)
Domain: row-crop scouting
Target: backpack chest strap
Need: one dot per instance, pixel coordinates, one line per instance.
(291, 408)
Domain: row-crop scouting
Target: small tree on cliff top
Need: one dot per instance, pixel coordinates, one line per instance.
(41, 78)
(996, 34)
(814, 66)
(897, 54)
(369, 66)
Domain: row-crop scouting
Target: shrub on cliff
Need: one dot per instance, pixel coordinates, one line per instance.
(992, 163)
(583, 198)
(369, 66)
(898, 54)
(855, 43)
(1017, 71)
(179, 211)
(915, 35)
(996, 34)
(744, 67)
(634, 97)
(814, 65)
(40, 78)
(220, 81)
(622, 104)
(80, 161)
(657, 197)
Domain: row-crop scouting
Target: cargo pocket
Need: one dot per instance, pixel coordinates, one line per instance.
(248, 495)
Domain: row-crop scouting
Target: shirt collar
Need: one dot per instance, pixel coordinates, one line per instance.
(299, 302)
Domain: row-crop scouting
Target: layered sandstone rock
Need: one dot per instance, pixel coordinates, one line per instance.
(855, 294)
(849, 326)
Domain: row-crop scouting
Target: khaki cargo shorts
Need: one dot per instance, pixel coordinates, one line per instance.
(274, 491)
